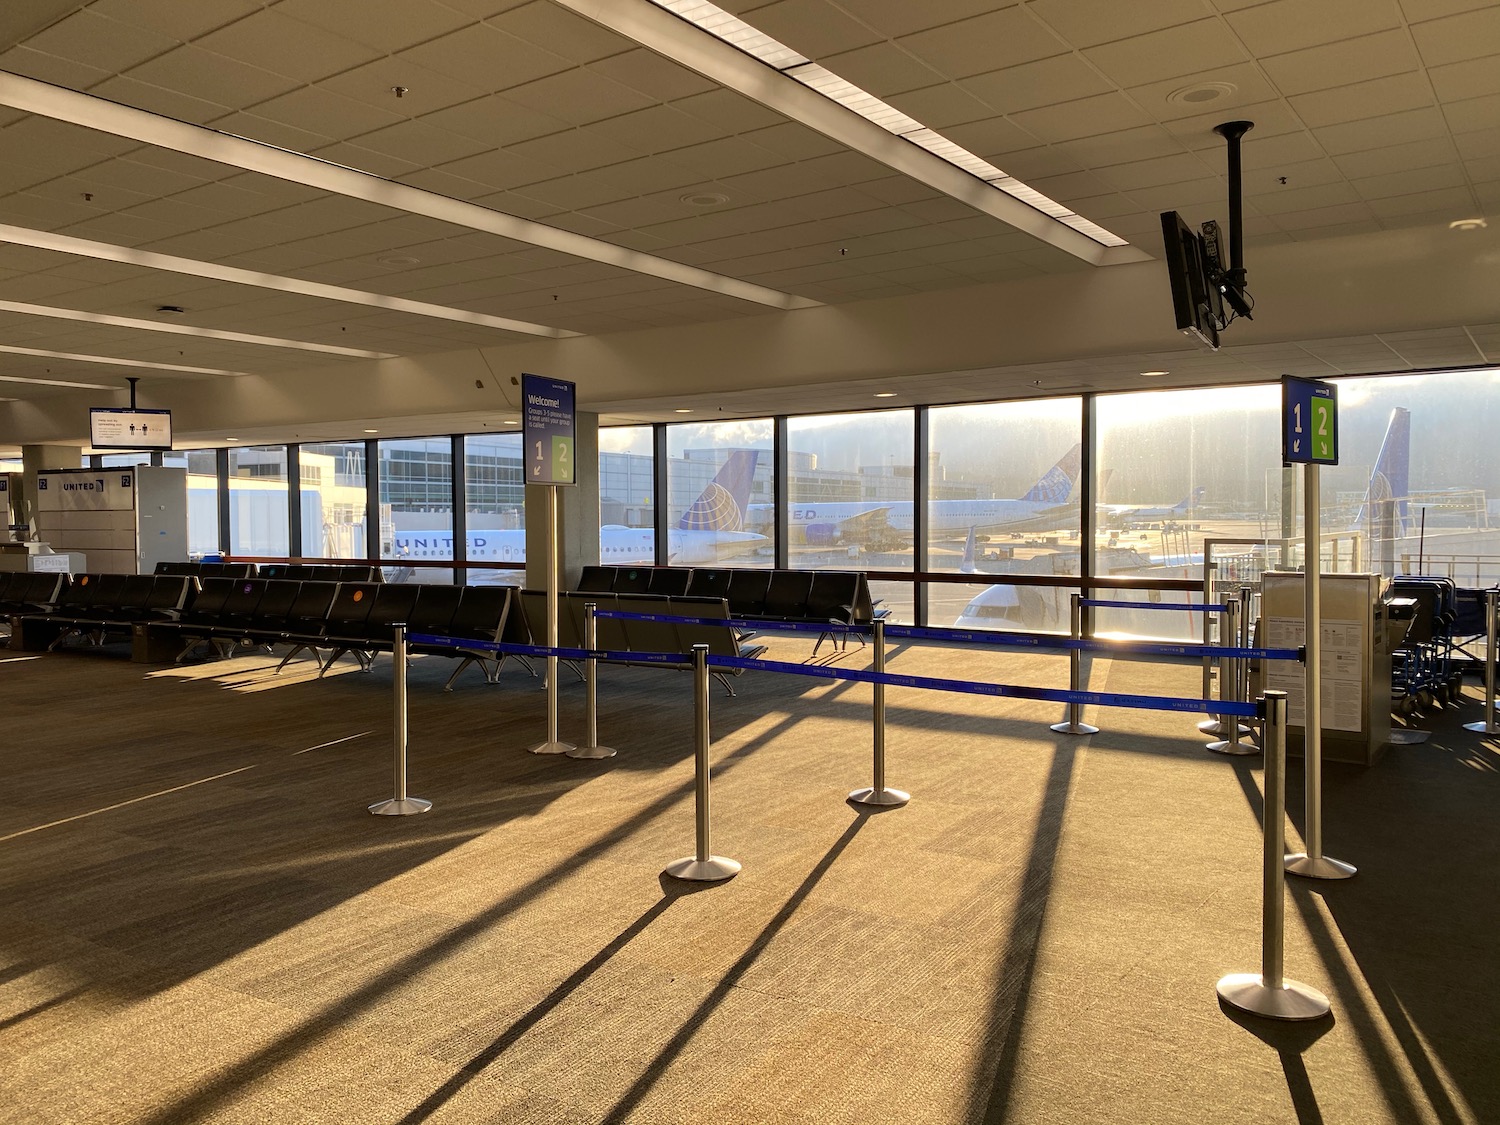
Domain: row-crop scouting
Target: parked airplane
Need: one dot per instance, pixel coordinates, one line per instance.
(710, 531)
(890, 523)
(1383, 516)
(1131, 513)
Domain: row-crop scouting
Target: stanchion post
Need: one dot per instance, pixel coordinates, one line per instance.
(878, 794)
(1075, 723)
(1313, 864)
(1229, 687)
(704, 866)
(1491, 609)
(553, 744)
(400, 804)
(591, 749)
(1268, 993)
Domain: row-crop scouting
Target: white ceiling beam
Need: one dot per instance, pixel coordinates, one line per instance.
(104, 251)
(46, 100)
(23, 309)
(676, 39)
(113, 361)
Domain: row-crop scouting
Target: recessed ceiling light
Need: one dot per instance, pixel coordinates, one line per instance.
(372, 431)
(1468, 224)
(399, 260)
(1150, 374)
(705, 198)
(885, 394)
(682, 410)
(231, 439)
(512, 422)
(1200, 93)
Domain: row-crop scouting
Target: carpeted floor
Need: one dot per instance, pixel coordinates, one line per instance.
(203, 923)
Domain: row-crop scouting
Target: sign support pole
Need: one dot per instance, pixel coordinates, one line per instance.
(553, 745)
(1313, 864)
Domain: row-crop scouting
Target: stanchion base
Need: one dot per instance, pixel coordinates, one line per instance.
(709, 870)
(1213, 726)
(1320, 868)
(1292, 1001)
(592, 752)
(552, 748)
(886, 798)
(1233, 749)
(1074, 728)
(1413, 737)
(400, 807)
(1481, 728)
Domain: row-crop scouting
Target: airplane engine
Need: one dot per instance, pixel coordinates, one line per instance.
(823, 535)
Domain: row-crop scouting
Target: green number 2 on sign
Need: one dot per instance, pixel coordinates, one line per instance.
(1322, 419)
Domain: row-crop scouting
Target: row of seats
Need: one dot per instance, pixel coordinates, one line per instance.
(22, 591)
(656, 637)
(814, 596)
(302, 572)
(98, 605)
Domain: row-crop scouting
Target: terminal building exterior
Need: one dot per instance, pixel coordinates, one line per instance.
(910, 254)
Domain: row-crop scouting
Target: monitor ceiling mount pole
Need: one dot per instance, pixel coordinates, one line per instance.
(1234, 276)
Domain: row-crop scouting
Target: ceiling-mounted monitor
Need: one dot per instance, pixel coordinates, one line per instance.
(1196, 299)
(115, 428)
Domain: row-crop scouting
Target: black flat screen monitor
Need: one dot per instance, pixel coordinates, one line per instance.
(121, 428)
(1195, 299)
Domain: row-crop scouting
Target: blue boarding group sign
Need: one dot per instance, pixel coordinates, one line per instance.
(549, 428)
(1309, 421)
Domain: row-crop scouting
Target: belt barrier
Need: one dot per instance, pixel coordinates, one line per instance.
(1003, 640)
(1192, 607)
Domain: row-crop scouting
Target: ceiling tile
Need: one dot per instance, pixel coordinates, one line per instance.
(1290, 25)
(1444, 204)
(1151, 173)
(211, 77)
(1087, 23)
(1414, 154)
(1472, 79)
(1473, 146)
(546, 26)
(579, 97)
(652, 75)
(495, 120)
(485, 58)
(1031, 85)
(1473, 113)
(182, 22)
(1377, 132)
(48, 68)
(894, 18)
(420, 143)
(657, 128)
(1086, 117)
(731, 112)
(390, 25)
(96, 41)
(993, 41)
(1171, 52)
(155, 99)
(795, 142)
(327, 113)
(941, 107)
(1343, 63)
(811, 27)
(1455, 38)
(287, 46)
(426, 90)
(1419, 10)
(1376, 98)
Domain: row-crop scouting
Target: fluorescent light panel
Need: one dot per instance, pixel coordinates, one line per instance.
(737, 33)
(60, 104)
(185, 330)
(113, 362)
(86, 248)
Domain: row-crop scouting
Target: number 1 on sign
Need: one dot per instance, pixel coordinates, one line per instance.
(1296, 417)
(538, 451)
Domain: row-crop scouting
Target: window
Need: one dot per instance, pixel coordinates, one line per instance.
(259, 523)
(1003, 498)
(495, 498)
(333, 500)
(719, 495)
(202, 467)
(416, 508)
(627, 495)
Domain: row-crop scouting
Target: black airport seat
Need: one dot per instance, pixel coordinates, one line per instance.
(481, 615)
(392, 605)
(747, 592)
(709, 582)
(671, 581)
(597, 579)
(271, 612)
(786, 595)
(304, 624)
(632, 580)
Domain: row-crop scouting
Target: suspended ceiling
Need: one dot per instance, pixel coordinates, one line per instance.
(1370, 116)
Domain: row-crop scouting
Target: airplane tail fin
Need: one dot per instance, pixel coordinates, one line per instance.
(968, 564)
(722, 504)
(1057, 482)
(1191, 500)
(1384, 513)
